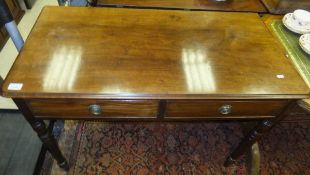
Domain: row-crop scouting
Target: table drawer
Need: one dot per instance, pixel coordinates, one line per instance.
(222, 109)
(94, 108)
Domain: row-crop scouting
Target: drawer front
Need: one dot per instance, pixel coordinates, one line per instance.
(222, 109)
(94, 108)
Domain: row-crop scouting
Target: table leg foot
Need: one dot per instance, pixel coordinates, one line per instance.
(50, 143)
(257, 132)
(64, 165)
(253, 136)
(229, 161)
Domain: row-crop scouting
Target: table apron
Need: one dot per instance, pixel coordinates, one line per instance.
(154, 110)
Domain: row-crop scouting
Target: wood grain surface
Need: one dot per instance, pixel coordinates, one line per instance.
(209, 109)
(80, 109)
(152, 54)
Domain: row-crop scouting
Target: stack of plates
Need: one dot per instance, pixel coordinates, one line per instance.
(304, 42)
(299, 22)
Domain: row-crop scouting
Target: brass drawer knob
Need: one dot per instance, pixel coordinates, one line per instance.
(225, 109)
(95, 109)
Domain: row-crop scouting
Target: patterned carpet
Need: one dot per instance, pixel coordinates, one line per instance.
(286, 150)
(176, 149)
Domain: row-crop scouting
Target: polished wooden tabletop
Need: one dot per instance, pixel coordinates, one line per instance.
(75, 52)
(228, 5)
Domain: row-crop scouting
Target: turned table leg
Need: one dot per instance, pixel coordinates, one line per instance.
(45, 136)
(255, 135)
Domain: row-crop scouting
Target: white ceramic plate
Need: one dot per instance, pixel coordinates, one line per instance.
(304, 42)
(293, 25)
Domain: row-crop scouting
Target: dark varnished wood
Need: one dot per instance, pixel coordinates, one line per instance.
(80, 109)
(285, 6)
(141, 62)
(162, 108)
(15, 9)
(17, 14)
(139, 109)
(151, 54)
(1, 82)
(256, 134)
(46, 137)
(208, 109)
(228, 5)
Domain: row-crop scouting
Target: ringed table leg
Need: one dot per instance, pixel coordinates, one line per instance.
(45, 136)
(255, 135)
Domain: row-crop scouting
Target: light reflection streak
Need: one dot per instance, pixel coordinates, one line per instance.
(198, 72)
(63, 68)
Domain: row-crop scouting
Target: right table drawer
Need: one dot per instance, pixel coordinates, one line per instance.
(223, 109)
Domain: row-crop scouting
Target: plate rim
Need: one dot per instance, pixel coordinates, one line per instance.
(291, 28)
(307, 50)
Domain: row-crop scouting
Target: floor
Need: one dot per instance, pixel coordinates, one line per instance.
(9, 53)
(19, 146)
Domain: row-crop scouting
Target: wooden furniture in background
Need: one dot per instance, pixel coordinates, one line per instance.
(1, 82)
(17, 14)
(152, 65)
(300, 112)
(286, 6)
(229, 5)
(29, 3)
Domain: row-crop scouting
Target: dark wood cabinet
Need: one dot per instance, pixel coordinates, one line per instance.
(2, 38)
(17, 13)
(223, 5)
(286, 6)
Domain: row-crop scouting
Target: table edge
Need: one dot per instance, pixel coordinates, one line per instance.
(154, 96)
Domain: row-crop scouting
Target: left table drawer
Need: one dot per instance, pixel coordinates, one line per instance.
(87, 108)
